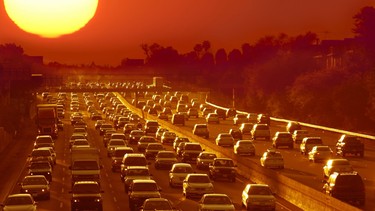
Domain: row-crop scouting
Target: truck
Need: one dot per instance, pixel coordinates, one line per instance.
(47, 119)
(85, 164)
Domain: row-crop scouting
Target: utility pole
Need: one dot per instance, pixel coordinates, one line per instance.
(233, 104)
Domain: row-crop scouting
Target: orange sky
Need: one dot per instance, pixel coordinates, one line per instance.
(120, 26)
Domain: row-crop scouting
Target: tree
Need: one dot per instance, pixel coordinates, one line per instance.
(364, 28)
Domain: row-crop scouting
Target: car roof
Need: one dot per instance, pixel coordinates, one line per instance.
(144, 181)
(182, 165)
(137, 167)
(86, 182)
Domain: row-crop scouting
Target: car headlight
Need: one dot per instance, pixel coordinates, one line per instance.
(75, 200)
(26, 191)
(98, 200)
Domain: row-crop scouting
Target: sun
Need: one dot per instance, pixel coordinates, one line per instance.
(51, 18)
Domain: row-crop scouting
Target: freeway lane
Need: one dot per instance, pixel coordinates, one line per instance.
(114, 197)
(297, 166)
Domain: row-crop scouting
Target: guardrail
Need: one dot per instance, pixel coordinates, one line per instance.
(366, 136)
(297, 193)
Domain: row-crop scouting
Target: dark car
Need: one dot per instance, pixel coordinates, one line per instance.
(178, 119)
(86, 195)
(222, 168)
(221, 113)
(349, 145)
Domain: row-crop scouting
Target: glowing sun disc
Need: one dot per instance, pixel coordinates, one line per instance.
(51, 18)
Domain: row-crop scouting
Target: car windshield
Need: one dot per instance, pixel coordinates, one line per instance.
(340, 163)
(116, 143)
(18, 200)
(145, 187)
(256, 190)
(137, 172)
(41, 165)
(135, 161)
(34, 181)
(166, 155)
(224, 163)
(85, 165)
(314, 141)
(217, 200)
(208, 156)
(44, 140)
(37, 153)
(193, 147)
(121, 153)
(155, 146)
(86, 188)
(262, 127)
(81, 143)
(182, 170)
(199, 179)
(157, 205)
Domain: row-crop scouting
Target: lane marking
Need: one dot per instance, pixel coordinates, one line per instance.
(61, 204)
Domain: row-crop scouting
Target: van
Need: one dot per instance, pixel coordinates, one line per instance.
(178, 119)
(346, 186)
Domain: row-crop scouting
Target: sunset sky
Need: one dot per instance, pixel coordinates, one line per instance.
(120, 26)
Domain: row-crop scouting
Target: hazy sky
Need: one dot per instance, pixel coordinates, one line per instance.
(120, 26)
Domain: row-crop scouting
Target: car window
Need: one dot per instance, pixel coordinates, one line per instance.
(216, 200)
(199, 179)
(18, 201)
(145, 187)
(255, 190)
(157, 205)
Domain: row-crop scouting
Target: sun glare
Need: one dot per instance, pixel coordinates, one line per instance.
(51, 18)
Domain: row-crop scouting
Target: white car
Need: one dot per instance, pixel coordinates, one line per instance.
(336, 165)
(319, 153)
(196, 185)
(165, 159)
(21, 201)
(244, 147)
(224, 139)
(212, 117)
(258, 197)
(178, 173)
(112, 144)
(272, 159)
(215, 201)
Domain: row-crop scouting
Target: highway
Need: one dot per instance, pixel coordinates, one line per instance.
(114, 196)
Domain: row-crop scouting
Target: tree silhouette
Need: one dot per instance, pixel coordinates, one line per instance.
(364, 28)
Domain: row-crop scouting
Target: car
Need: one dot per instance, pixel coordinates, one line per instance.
(272, 159)
(178, 140)
(152, 149)
(104, 127)
(201, 130)
(193, 112)
(180, 148)
(346, 186)
(258, 197)
(112, 144)
(128, 128)
(135, 135)
(117, 156)
(36, 185)
(140, 190)
(168, 137)
(215, 201)
(299, 135)
(79, 143)
(245, 128)
(224, 139)
(144, 141)
(196, 184)
(135, 172)
(239, 119)
(308, 143)
(132, 159)
(151, 126)
(96, 116)
(80, 130)
(320, 153)
(260, 131)
(206, 111)
(163, 116)
(44, 141)
(349, 145)
(19, 201)
(231, 112)
(43, 168)
(292, 126)
(160, 132)
(181, 107)
(336, 165)
(222, 168)
(212, 117)
(53, 153)
(252, 118)
(204, 159)
(264, 119)
(107, 136)
(153, 204)
(236, 134)
(98, 123)
(221, 113)
(178, 119)
(190, 152)
(282, 139)
(165, 159)
(86, 195)
(244, 147)
(41, 154)
(178, 173)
